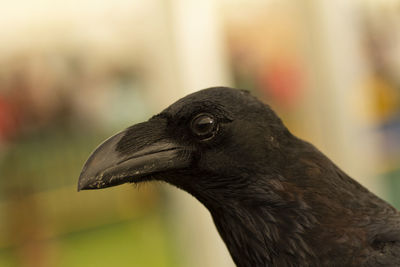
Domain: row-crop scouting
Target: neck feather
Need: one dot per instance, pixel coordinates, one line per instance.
(263, 227)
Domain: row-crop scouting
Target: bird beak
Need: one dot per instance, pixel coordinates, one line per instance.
(132, 156)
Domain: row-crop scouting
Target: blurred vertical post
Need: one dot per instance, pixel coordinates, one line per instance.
(338, 74)
(201, 63)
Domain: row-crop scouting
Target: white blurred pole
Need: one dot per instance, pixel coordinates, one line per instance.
(200, 64)
(340, 71)
(199, 45)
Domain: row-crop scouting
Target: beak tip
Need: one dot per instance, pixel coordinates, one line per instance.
(86, 182)
(83, 182)
(83, 186)
(80, 186)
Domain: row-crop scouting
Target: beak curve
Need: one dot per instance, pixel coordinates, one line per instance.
(109, 166)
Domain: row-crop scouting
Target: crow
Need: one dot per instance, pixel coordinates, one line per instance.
(275, 199)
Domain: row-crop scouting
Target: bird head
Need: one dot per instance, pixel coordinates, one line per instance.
(214, 138)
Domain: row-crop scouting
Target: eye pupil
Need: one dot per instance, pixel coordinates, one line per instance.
(203, 126)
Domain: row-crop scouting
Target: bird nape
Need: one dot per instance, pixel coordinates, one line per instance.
(274, 198)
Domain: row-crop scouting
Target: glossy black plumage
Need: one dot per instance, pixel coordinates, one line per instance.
(275, 199)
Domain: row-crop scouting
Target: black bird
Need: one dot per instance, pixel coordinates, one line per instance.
(274, 198)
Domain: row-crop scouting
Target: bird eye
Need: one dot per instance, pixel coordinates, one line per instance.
(204, 126)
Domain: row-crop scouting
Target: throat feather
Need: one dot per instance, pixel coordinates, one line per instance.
(266, 235)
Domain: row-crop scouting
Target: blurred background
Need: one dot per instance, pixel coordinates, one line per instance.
(74, 72)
